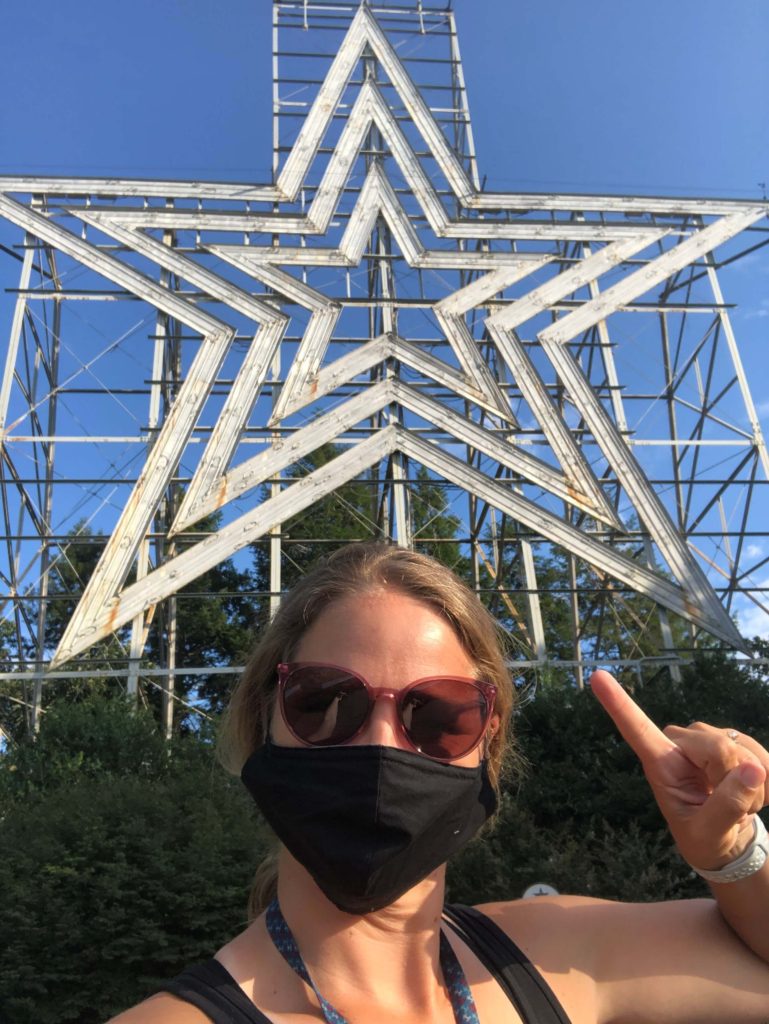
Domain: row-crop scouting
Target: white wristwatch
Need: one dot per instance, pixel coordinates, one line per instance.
(749, 861)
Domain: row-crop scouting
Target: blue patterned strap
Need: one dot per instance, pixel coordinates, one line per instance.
(462, 1001)
(285, 943)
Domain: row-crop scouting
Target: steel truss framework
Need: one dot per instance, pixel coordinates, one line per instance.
(562, 365)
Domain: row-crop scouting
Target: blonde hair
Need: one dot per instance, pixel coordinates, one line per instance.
(351, 570)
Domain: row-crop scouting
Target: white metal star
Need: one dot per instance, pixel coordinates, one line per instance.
(310, 383)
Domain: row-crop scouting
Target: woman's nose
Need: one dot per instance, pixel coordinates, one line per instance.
(382, 728)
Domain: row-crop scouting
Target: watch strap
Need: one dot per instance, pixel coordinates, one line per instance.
(749, 861)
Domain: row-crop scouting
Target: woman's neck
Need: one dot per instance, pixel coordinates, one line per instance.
(358, 960)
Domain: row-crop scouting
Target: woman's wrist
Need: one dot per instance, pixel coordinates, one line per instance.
(751, 860)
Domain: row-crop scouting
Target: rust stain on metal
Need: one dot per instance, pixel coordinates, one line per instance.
(693, 610)
(112, 623)
(575, 496)
(579, 498)
(221, 493)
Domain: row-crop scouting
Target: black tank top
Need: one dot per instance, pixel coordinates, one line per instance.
(211, 987)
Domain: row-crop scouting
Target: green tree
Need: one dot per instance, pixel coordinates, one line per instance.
(122, 860)
(70, 571)
(345, 515)
(613, 623)
(351, 513)
(216, 617)
(12, 698)
(94, 738)
(214, 625)
(436, 529)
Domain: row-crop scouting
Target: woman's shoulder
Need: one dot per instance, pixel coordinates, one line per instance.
(162, 1008)
(677, 958)
(520, 917)
(563, 932)
(551, 933)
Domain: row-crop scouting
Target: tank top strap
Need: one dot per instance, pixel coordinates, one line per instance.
(525, 987)
(211, 988)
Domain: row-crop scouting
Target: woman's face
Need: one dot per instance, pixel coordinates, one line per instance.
(390, 639)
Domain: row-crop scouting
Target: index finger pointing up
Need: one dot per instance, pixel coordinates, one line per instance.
(636, 727)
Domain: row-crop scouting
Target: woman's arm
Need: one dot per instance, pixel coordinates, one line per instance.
(745, 905)
(709, 784)
(675, 962)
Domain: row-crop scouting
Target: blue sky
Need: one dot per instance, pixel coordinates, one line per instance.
(664, 97)
(660, 96)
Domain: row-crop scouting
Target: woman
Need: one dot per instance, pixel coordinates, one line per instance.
(370, 726)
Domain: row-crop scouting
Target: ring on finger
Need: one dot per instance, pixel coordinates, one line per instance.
(733, 735)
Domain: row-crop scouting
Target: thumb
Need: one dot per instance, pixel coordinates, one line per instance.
(739, 793)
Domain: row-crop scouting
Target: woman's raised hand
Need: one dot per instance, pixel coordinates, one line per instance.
(708, 782)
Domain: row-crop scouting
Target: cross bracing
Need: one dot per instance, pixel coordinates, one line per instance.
(563, 367)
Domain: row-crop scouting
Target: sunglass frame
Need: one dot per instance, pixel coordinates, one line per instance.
(374, 693)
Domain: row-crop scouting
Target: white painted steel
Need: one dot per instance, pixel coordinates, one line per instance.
(529, 467)
(642, 281)
(332, 425)
(533, 603)
(285, 223)
(246, 529)
(450, 313)
(609, 560)
(120, 551)
(325, 314)
(567, 202)
(571, 280)
(139, 187)
(13, 341)
(379, 197)
(346, 368)
(756, 434)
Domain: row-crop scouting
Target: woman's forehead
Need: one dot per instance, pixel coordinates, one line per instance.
(382, 621)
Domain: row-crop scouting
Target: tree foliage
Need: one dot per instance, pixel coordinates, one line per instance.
(349, 513)
(435, 527)
(613, 623)
(216, 616)
(121, 861)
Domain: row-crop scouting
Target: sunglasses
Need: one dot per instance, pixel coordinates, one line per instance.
(443, 717)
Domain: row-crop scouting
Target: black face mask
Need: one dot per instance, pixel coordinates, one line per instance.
(367, 822)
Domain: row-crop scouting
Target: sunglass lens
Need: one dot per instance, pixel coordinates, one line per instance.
(445, 718)
(323, 705)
